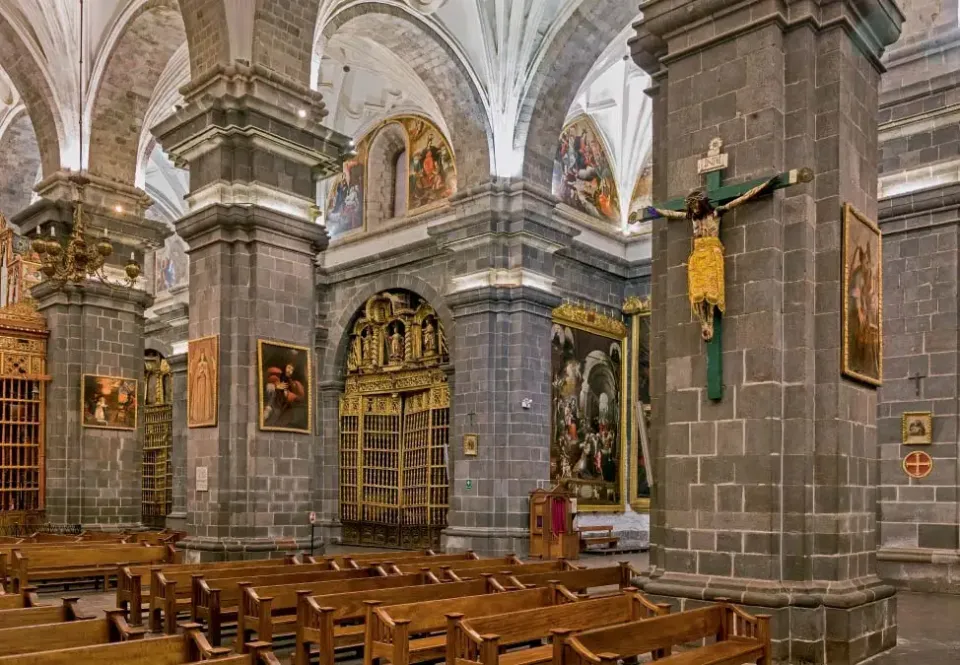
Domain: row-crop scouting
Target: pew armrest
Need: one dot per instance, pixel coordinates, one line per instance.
(262, 653)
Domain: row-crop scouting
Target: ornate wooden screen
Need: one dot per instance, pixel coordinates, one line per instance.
(157, 476)
(394, 426)
(23, 377)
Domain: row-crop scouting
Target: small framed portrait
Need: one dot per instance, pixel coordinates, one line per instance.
(286, 380)
(470, 445)
(917, 428)
(109, 402)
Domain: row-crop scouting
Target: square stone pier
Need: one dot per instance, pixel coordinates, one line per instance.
(768, 497)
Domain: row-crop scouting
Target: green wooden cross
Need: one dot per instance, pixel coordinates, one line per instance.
(713, 166)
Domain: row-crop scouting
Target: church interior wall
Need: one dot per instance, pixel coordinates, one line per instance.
(919, 158)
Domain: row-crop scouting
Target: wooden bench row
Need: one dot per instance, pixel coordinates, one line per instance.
(45, 564)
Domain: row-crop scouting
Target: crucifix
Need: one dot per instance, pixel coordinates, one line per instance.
(703, 208)
(917, 378)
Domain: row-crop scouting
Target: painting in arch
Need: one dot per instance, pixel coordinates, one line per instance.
(583, 176)
(430, 167)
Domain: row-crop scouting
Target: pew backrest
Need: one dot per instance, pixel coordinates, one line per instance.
(431, 615)
(360, 560)
(575, 580)
(41, 614)
(67, 634)
(183, 574)
(56, 557)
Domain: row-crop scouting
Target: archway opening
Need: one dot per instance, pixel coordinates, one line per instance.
(395, 425)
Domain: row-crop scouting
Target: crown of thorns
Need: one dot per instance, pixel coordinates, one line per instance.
(697, 196)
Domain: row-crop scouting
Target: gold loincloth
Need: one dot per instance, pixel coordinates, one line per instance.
(705, 274)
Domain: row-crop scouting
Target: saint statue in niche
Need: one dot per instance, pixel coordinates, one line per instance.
(396, 345)
(429, 340)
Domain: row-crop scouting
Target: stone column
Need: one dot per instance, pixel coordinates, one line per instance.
(252, 248)
(177, 519)
(768, 497)
(502, 294)
(93, 475)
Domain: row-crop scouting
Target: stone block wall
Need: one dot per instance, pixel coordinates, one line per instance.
(919, 137)
(93, 475)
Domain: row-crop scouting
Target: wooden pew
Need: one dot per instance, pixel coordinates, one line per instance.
(66, 635)
(477, 641)
(577, 581)
(740, 638)
(405, 634)
(217, 602)
(133, 594)
(361, 560)
(596, 536)
(42, 614)
(463, 571)
(433, 559)
(105, 537)
(6, 551)
(53, 563)
(325, 623)
(16, 601)
(190, 647)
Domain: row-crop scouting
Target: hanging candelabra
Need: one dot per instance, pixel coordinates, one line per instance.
(80, 259)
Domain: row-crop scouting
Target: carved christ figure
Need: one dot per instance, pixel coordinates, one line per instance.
(705, 274)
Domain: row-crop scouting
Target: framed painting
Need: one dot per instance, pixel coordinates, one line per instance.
(285, 387)
(862, 302)
(345, 199)
(589, 407)
(432, 171)
(203, 381)
(917, 428)
(583, 177)
(638, 309)
(108, 402)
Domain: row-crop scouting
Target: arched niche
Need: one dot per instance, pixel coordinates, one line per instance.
(583, 174)
(388, 144)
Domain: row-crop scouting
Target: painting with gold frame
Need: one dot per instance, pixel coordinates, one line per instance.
(862, 302)
(638, 309)
(589, 407)
(917, 428)
(203, 381)
(108, 402)
(285, 387)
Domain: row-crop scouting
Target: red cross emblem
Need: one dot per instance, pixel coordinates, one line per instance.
(918, 464)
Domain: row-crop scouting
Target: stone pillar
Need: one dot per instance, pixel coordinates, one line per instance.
(177, 519)
(502, 294)
(252, 248)
(93, 475)
(327, 469)
(769, 496)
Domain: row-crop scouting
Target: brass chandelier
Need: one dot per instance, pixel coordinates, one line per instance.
(80, 259)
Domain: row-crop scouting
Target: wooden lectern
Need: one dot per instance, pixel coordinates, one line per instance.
(552, 535)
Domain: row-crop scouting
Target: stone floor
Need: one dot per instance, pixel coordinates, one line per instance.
(929, 623)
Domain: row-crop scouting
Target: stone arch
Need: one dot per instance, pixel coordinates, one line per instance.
(19, 164)
(208, 37)
(335, 357)
(442, 71)
(28, 78)
(571, 54)
(132, 71)
(157, 346)
(387, 143)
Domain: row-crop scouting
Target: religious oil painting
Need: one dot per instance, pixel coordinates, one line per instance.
(345, 199)
(583, 177)
(432, 171)
(203, 381)
(589, 408)
(917, 428)
(641, 368)
(285, 386)
(862, 307)
(109, 402)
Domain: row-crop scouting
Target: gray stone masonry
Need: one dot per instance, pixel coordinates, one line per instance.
(93, 475)
(920, 155)
(769, 496)
(177, 519)
(251, 277)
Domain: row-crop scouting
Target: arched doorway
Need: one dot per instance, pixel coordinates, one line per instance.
(395, 425)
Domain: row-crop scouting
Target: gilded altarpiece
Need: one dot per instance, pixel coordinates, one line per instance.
(157, 490)
(395, 426)
(23, 379)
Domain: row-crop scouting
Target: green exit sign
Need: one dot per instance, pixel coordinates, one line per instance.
(469, 484)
